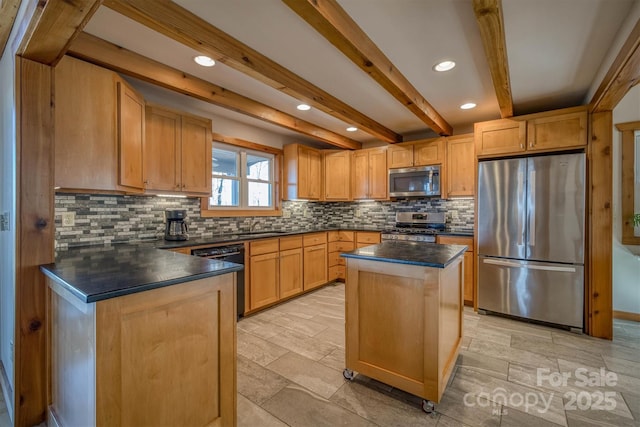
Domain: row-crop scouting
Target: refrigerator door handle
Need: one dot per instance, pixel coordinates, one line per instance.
(532, 208)
(520, 227)
(514, 264)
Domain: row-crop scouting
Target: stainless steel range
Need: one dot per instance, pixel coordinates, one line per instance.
(416, 227)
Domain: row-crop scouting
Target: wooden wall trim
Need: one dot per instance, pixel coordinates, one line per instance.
(600, 227)
(626, 315)
(627, 145)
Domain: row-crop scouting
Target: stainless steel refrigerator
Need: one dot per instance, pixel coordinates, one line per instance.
(531, 214)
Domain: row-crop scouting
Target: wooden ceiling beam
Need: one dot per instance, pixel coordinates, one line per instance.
(623, 74)
(491, 23)
(8, 12)
(333, 22)
(177, 23)
(58, 22)
(108, 55)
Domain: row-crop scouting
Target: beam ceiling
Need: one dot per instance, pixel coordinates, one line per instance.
(623, 74)
(108, 55)
(491, 24)
(59, 22)
(183, 26)
(333, 22)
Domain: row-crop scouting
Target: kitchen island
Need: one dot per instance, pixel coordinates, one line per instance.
(140, 337)
(404, 307)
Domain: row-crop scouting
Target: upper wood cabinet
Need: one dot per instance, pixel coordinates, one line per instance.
(177, 152)
(337, 174)
(302, 173)
(369, 177)
(416, 153)
(99, 128)
(460, 166)
(548, 131)
(131, 129)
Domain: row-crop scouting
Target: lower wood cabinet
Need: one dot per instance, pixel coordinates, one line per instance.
(265, 271)
(315, 266)
(367, 238)
(290, 272)
(469, 263)
(339, 241)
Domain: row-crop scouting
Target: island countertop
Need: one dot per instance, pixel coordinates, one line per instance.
(97, 273)
(413, 253)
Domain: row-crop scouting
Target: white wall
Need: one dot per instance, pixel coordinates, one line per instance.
(626, 259)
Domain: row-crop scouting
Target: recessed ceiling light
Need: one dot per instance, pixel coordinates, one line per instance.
(303, 107)
(444, 66)
(468, 106)
(205, 61)
(352, 129)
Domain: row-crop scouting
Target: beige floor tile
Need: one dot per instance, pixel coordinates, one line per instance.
(257, 383)
(496, 336)
(514, 418)
(621, 366)
(477, 411)
(598, 418)
(597, 345)
(298, 407)
(334, 360)
(302, 344)
(307, 373)
(297, 324)
(258, 350)
(331, 336)
(556, 350)
(380, 408)
(332, 321)
(259, 327)
(510, 326)
(511, 354)
(445, 421)
(252, 415)
(483, 363)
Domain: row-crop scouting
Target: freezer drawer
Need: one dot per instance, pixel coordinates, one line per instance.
(546, 292)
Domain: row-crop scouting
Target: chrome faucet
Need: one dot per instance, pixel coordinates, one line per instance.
(254, 225)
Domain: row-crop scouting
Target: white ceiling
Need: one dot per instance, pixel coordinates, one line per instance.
(555, 49)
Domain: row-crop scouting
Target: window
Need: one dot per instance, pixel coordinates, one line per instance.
(242, 179)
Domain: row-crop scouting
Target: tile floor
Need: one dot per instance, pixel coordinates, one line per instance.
(291, 357)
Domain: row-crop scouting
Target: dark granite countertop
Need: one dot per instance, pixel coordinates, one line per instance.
(95, 273)
(242, 237)
(414, 253)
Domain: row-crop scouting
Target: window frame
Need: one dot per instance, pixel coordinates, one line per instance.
(243, 148)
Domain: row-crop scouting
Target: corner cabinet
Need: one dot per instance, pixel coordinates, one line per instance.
(95, 105)
(548, 131)
(369, 177)
(460, 166)
(177, 152)
(302, 172)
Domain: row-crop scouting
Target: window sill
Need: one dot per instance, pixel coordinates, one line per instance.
(216, 213)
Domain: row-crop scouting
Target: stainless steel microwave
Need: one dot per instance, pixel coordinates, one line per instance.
(422, 181)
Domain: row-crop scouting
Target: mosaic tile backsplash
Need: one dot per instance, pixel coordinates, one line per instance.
(101, 219)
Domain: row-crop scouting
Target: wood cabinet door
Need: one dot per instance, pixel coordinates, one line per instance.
(131, 127)
(400, 156)
(290, 272)
(337, 175)
(162, 149)
(196, 158)
(429, 152)
(560, 131)
(378, 174)
(309, 173)
(85, 110)
(315, 266)
(360, 174)
(461, 167)
(315, 174)
(265, 273)
(502, 136)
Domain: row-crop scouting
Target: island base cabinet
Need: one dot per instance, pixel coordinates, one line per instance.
(404, 324)
(160, 357)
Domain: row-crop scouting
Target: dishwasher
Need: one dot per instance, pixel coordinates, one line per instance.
(230, 253)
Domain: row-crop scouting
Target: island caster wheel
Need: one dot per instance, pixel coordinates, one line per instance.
(428, 406)
(348, 374)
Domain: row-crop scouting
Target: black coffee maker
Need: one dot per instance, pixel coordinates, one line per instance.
(176, 226)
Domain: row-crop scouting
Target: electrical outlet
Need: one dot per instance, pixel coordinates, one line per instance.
(358, 213)
(307, 213)
(68, 219)
(4, 221)
(286, 214)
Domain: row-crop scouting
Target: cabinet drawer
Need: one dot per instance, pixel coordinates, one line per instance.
(370, 237)
(314, 239)
(340, 236)
(337, 272)
(263, 246)
(456, 240)
(291, 242)
(334, 258)
(341, 246)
